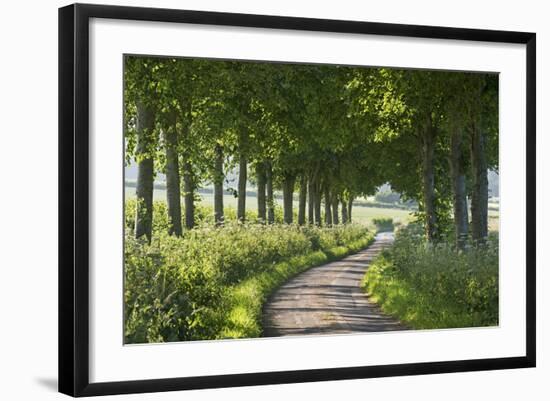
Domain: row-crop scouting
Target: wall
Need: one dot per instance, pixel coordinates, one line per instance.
(28, 256)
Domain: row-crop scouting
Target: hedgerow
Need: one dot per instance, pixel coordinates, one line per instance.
(186, 288)
(430, 286)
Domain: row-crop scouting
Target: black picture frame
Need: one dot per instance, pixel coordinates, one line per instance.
(74, 198)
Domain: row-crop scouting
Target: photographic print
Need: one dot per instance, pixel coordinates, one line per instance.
(270, 199)
(258, 199)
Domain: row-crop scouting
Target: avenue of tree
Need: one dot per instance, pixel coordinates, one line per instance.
(326, 133)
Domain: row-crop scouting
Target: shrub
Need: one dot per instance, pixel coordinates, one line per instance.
(434, 286)
(168, 296)
(387, 197)
(383, 223)
(203, 215)
(183, 288)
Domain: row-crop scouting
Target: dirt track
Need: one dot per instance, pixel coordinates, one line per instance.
(328, 299)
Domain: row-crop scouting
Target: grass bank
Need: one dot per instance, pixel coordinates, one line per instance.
(244, 319)
(428, 287)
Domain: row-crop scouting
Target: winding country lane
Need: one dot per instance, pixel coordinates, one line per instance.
(328, 299)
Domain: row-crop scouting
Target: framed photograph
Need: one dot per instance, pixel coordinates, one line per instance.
(250, 199)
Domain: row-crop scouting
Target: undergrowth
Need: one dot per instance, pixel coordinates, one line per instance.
(429, 286)
(211, 283)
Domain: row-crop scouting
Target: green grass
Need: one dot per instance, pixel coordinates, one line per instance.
(429, 287)
(244, 319)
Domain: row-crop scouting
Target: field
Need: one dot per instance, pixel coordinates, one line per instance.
(361, 214)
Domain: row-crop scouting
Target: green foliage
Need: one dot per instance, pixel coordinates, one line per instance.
(168, 295)
(247, 298)
(345, 131)
(204, 214)
(430, 286)
(347, 128)
(184, 288)
(387, 197)
(383, 223)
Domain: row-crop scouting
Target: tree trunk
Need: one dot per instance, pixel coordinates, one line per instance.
(350, 204)
(144, 189)
(302, 200)
(344, 212)
(335, 203)
(328, 211)
(458, 178)
(269, 193)
(288, 191)
(241, 200)
(480, 187)
(189, 195)
(310, 201)
(218, 186)
(261, 178)
(317, 203)
(428, 181)
(173, 194)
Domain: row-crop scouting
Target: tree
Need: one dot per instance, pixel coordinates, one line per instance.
(144, 189)
(243, 165)
(172, 175)
(344, 212)
(140, 105)
(269, 193)
(167, 116)
(218, 177)
(427, 134)
(288, 191)
(350, 205)
(261, 196)
(403, 108)
(458, 177)
(335, 218)
(331, 133)
(457, 98)
(328, 208)
(483, 147)
(310, 201)
(317, 201)
(302, 199)
(423, 90)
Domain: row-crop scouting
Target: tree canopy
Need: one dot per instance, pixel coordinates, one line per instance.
(331, 133)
